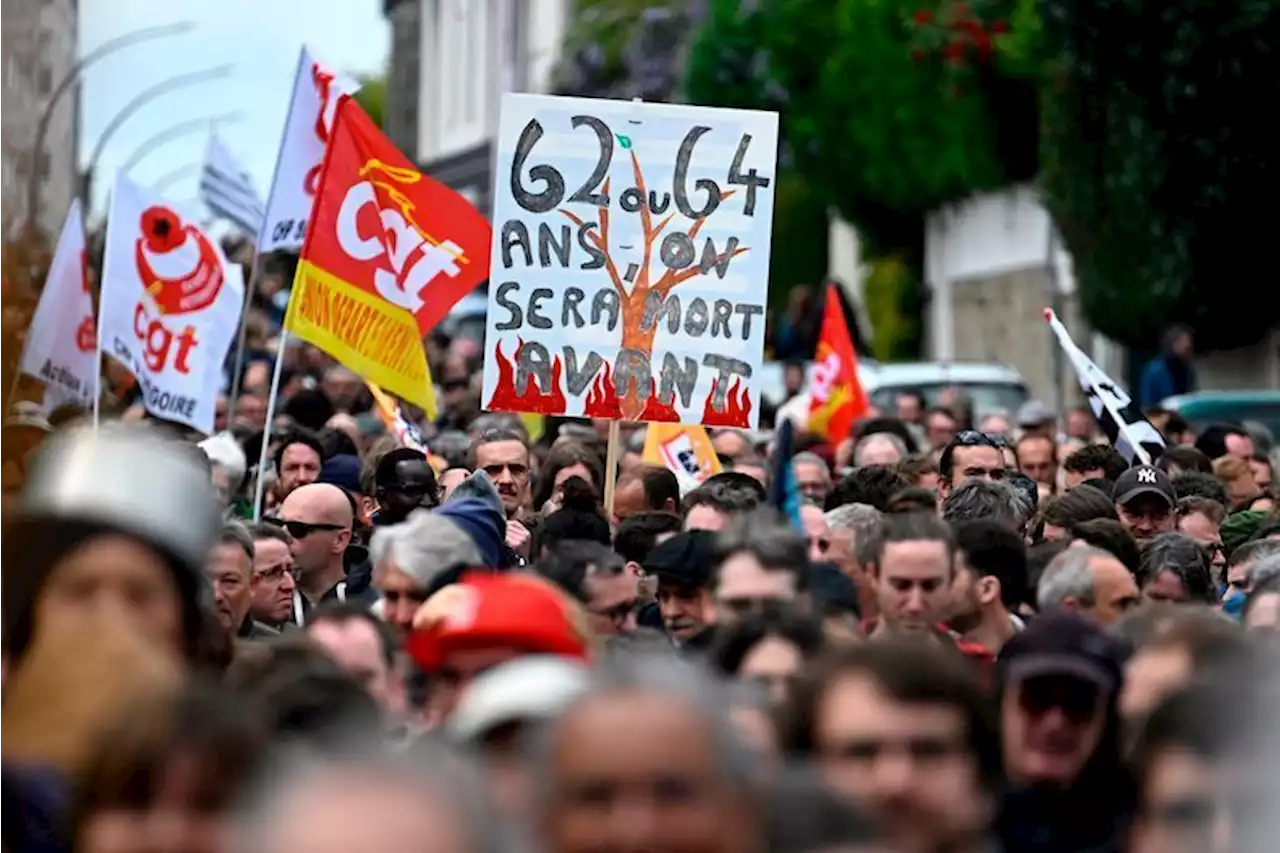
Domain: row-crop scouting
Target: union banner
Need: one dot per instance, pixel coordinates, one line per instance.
(388, 253)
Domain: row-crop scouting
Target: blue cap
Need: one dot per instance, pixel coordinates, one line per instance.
(342, 471)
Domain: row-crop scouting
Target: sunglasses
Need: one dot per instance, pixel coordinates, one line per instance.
(1078, 700)
(973, 438)
(303, 529)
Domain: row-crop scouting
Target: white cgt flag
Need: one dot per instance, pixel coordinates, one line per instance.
(1133, 436)
(170, 305)
(61, 349)
(306, 133)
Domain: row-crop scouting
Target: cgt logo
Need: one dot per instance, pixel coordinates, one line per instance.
(182, 272)
(87, 331)
(414, 257)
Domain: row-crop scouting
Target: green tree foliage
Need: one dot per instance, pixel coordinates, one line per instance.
(1160, 165)
(372, 96)
(891, 108)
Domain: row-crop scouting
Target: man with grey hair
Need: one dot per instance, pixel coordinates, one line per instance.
(854, 530)
(1174, 567)
(976, 499)
(759, 563)
(230, 573)
(1242, 560)
(426, 798)
(813, 477)
(1089, 581)
(879, 448)
(644, 727)
(408, 557)
(1263, 570)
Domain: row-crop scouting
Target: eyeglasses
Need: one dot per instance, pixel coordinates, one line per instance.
(275, 574)
(303, 529)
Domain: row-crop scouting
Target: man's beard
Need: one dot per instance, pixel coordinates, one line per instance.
(965, 621)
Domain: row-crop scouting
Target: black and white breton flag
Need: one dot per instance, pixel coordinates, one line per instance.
(1131, 434)
(227, 189)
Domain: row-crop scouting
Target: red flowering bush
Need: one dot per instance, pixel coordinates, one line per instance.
(960, 34)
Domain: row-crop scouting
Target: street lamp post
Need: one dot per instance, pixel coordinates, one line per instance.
(168, 179)
(64, 85)
(177, 131)
(139, 101)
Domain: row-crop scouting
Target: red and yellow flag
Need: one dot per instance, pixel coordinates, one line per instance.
(836, 398)
(388, 253)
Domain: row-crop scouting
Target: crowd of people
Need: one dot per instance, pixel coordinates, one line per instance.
(973, 635)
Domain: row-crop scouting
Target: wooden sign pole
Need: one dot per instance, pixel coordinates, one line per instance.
(611, 465)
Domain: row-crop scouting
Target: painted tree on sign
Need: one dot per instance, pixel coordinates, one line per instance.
(647, 285)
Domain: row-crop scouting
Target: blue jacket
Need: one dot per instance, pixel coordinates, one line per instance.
(1163, 377)
(35, 809)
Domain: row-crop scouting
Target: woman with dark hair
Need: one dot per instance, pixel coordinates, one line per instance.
(578, 519)
(570, 459)
(770, 649)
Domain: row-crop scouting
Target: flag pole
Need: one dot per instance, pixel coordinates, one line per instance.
(260, 484)
(250, 289)
(255, 271)
(1122, 424)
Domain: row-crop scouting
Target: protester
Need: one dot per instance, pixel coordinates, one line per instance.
(800, 654)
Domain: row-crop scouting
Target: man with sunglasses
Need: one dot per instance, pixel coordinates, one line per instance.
(971, 455)
(1057, 685)
(403, 482)
(503, 454)
(318, 519)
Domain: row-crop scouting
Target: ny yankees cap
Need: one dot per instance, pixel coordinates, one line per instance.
(1144, 480)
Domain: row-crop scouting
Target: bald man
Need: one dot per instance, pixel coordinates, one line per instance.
(318, 518)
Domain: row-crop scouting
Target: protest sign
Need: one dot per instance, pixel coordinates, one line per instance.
(61, 348)
(170, 303)
(630, 260)
(686, 451)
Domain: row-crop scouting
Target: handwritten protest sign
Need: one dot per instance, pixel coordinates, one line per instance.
(630, 260)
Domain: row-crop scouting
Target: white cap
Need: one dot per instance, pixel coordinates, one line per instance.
(528, 689)
(223, 449)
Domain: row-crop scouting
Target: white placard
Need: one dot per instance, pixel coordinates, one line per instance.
(170, 304)
(630, 251)
(61, 345)
(316, 90)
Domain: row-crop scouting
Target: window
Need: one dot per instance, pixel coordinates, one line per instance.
(463, 77)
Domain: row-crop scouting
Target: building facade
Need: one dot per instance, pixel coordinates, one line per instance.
(445, 84)
(38, 42)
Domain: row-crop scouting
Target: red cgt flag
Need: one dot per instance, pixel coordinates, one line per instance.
(388, 253)
(836, 398)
